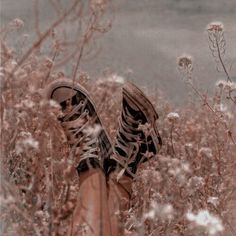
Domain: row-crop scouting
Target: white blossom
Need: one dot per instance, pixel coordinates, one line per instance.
(226, 85)
(25, 142)
(195, 182)
(213, 200)
(173, 116)
(17, 23)
(164, 211)
(215, 26)
(221, 83)
(54, 104)
(116, 78)
(205, 219)
(205, 151)
(27, 103)
(188, 145)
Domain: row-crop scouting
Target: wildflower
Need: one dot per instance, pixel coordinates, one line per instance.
(96, 4)
(153, 174)
(205, 151)
(221, 83)
(60, 74)
(173, 116)
(229, 86)
(226, 85)
(26, 141)
(215, 27)
(185, 62)
(26, 103)
(54, 104)
(48, 63)
(195, 182)
(17, 23)
(116, 78)
(185, 167)
(221, 107)
(213, 200)
(164, 211)
(205, 219)
(188, 147)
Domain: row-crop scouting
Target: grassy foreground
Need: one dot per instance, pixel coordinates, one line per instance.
(187, 189)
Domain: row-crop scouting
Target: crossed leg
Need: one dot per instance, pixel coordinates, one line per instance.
(100, 204)
(91, 216)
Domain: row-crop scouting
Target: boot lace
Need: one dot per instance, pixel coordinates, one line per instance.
(76, 125)
(128, 140)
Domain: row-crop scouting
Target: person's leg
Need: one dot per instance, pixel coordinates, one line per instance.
(119, 201)
(90, 147)
(137, 141)
(91, 216)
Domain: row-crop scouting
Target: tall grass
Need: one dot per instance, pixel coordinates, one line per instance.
(187, 189)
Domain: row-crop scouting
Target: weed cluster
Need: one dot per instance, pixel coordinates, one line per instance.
(187, 189)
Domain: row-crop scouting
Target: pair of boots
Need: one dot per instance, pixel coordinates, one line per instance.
(137, 138)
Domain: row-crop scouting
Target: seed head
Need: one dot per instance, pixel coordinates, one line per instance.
(98, 4)
(185, 62)
(173, 116)
(203, 218)
(215, 27)
(48, 63)
(205, 151)
(17, 23)
(221, 83)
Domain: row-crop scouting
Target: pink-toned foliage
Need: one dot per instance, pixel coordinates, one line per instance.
(192, 175)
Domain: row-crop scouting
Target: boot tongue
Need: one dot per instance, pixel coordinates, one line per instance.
(132, 107)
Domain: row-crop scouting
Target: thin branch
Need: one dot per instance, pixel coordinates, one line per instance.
(44, 36)
(221, 61)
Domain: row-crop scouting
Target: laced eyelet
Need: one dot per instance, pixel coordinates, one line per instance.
(140, 122)
(81, 102)
(86, 111)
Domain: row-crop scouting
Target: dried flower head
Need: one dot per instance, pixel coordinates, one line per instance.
(205, 219)
(163, 211)
(205, 152)
(25, 142)
(48, 63)
(213, 200)
(98, 4)
(116, 78)
(17, 23)
(173, 117)
(185, 62)
(215, 27)
(221, 83)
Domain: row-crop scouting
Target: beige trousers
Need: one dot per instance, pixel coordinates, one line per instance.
(100, 203)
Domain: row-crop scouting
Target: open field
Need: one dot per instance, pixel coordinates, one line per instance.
(188, 188)
(147, 37)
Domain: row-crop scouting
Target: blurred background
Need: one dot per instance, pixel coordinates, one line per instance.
(146, 38)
